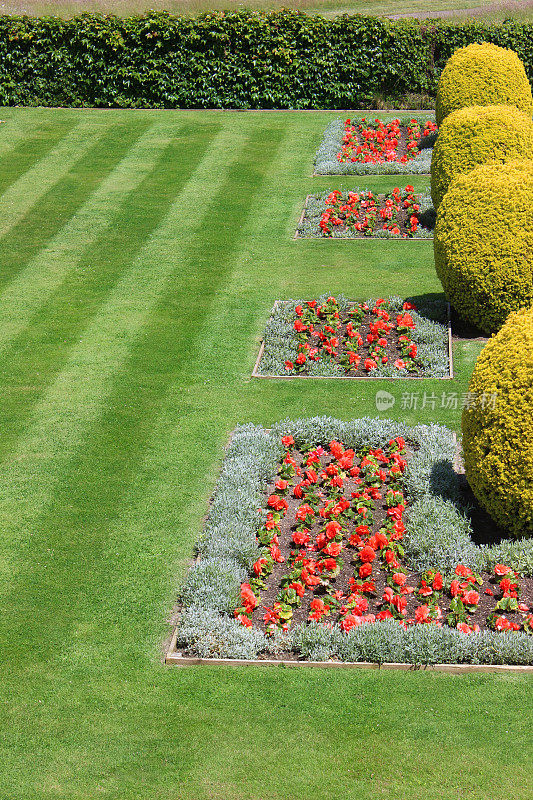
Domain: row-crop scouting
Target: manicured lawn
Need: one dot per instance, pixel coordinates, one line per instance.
(141, 253)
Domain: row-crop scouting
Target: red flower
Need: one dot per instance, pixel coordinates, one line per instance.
(464, 628)
(350, 621)
(308, 579)
(336, 449)
(423, 614)
(360, 606)
(332, 529)
(399, 578)
(365, 570)
(400, 603)
(333, 549)
(388, 594)
(277, 503)
(303, 512)
(437, 582)
(454, 588)
(258, 566)
(471, 598)
(501, 569)
(287, 441)
(300, 538)
(245, 621)
(249, 600)
(275, 552)
(367, 554)
(298, 588)
(281, 485)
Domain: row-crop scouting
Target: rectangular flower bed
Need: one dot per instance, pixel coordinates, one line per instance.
(345, 541)
(337, 338)
(361, 214)
(360, 145)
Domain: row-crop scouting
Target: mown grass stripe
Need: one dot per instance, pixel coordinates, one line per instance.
(32, 234)
(15, 128)
(22, 195)
(77, 396)
(216, 320)
(20, 149)
(104, 192)
(64, 299)
(80, 512)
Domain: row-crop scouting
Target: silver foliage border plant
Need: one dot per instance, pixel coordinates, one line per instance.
(429, 335)
(438, 535)
(315, 206)
(326, 162)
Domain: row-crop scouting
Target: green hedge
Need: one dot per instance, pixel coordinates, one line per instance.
(232, 60)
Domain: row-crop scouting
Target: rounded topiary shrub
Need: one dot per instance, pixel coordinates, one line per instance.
(498, 424)
(481, 75)
(478, 135)
(483, 242)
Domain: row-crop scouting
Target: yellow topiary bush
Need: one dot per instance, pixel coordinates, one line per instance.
(498, 426)
(478, 135)
(483, 242)
(481, 75)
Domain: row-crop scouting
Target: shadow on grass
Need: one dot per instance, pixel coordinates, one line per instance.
(431, 305)
(451, 485)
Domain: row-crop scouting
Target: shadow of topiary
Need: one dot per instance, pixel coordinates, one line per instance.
(451, 485)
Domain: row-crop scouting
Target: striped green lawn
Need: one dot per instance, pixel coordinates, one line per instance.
(140, 254)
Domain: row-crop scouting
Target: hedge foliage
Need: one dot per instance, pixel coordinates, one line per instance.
(480, 75)
(244, 59)
(483, 242)
(478, 135)
(497, 442)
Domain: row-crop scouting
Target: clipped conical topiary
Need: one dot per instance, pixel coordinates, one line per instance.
(478, 135)
(481, 75)
(483, 242)
(498, 426)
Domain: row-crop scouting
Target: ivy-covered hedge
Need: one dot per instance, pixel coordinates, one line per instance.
(244, 59)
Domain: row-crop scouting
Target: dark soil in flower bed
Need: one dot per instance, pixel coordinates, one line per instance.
(331, 551)
(367, 335)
